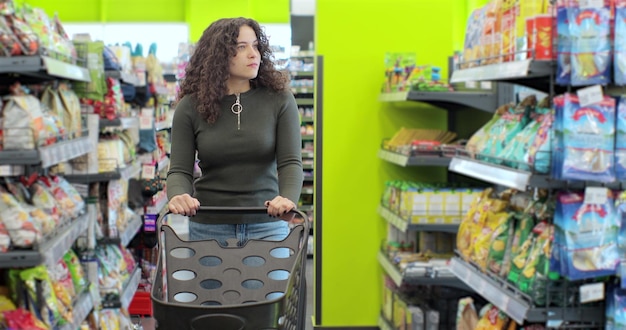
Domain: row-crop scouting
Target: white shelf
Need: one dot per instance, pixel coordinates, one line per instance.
(131, 287)
(504, 71)
(134, 225)
(48, 155)
(406, 160)
(491, 173)
(399, 277)
(131, 170)
(383, 324)
(161, 125)
(61, 69)
(393, 96)
(11, 170)
(81, 310)
(163, 163)
(426, 223)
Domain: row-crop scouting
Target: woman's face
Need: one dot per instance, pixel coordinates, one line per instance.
(245, 64)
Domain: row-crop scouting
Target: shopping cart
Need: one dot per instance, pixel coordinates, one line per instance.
(258, 286)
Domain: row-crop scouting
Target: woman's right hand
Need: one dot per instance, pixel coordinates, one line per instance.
(183, 204)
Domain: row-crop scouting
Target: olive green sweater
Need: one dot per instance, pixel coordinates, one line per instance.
(245, 167)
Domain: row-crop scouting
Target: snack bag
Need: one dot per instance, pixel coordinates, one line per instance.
(472, 224)
(588, 140)
(591, 44)
(22, 120)
(501, 240)
(537, 155)
(519, 259)
(589, 237)
(492, 319)
(21, 228)
(509, 125)
(486, 238)
(466, 317)
(534, 276)
(564, 43)
(620, 43)
(477, 141)
(620, 140)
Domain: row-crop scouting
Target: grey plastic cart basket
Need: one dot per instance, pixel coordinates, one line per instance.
(202, 285)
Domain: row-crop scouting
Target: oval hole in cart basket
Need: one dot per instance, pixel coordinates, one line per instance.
(274, 295)
(254, 261)
(278, 275)
(182, 253)
(210, 261)
(210, 303)
(231, 295)
(249, 302)
(225, 322)
(183, 275)
(231, 273)
(211, 284)
(252, 284)
(282, 252)
(185, 297)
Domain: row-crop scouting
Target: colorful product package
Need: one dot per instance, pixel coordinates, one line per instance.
(619, 51)
(589, 234)
(508, 126)
(473, 32)
(501, 240)
(563, 42)
(620, 139)
(534, 276)
(556, 155)
(591, 44)
(477, 141)
(491, 318)
(588, 140)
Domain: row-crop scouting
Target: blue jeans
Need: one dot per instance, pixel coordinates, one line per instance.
(270, 231)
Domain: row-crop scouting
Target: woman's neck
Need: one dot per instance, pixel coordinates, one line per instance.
(238, 87)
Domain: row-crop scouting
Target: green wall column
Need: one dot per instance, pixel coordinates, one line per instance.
(353, 37)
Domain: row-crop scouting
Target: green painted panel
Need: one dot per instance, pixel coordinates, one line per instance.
(353, 37)
(145, 11)
(70, 10)
(270, 11)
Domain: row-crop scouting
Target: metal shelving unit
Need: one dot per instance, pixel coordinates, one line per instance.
(127, 293)
(416, 278)
(47, 156)
(501, 175)
(482, 100)
(406, 160)
(131, 170)
(514, 303)
(120, 123)
(427, 223)
(383, 324)
(81, 309)
(50, 250)
(124, 77)
(530, 73)
(42, 68)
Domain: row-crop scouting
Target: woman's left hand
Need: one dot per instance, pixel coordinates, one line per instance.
(279, 207)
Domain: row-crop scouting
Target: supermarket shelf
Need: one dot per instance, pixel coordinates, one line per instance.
(161, 90)
(129, 290)
(161, 125)
(405, 160)
(486, 101)
(432, 223)
(131, 287)
(301, 102)
(125, 77)
(527, 72)
(514, 304)
(47, 155)
(11, 170)
(158, 204)
(383, 324)
(302, 90)
(501, 175)
(308, 179)
(307, 191)
(121, 123)
(80, 311)
(134, 225)
(125, 173)
(43, 67)
(399, 278)
(305, 208)
(307, 166)
(308, 119)
(308, 154)
(50, 251)
(308, 137)
(302, 73)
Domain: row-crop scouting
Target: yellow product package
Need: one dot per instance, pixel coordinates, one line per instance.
(492, 319)
(486, 237)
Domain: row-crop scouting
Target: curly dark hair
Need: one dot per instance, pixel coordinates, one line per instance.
(208, 69)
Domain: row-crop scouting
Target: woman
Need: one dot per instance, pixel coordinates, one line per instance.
(236, 112)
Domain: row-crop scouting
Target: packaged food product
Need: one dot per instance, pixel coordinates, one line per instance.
(492, 319)
(619, 52)
(22, 120)
(21, 228)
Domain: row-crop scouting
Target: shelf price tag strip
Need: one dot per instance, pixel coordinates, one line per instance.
(395, 275)
(131, 288)
(393, 219)
(491, 173)
(131, 230)
(491, 291)
(57, 247)
(492, 72)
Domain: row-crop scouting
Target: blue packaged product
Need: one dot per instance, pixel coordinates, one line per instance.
(563, 45)
(619, 54)
(620, 140)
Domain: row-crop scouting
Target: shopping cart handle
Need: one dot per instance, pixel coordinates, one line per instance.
(221, 210)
